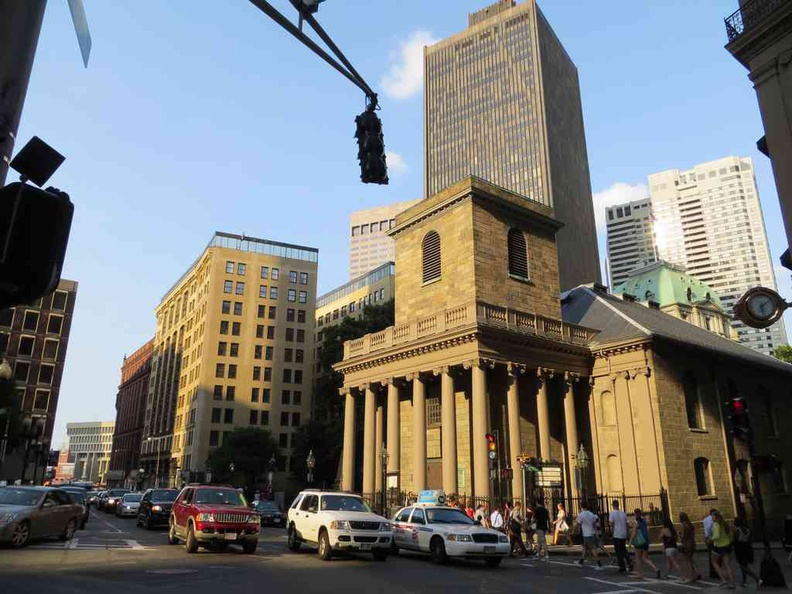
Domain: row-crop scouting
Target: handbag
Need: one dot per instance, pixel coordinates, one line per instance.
(639, 540)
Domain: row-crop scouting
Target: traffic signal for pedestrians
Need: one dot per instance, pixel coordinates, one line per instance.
(739, 422)
(371, 147)
(492, 446)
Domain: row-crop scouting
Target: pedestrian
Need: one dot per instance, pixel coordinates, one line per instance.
(496, 520)
(560, 526)
(515, 526)
(618, 523)
(541, 525)
(743, 551)
(688, 547)
(706, 525)
(528, 526)
(599, 539)
(721, 550)
(481, 516)
(639, 539)
(587, 522)
(471, 513)
(670, 540)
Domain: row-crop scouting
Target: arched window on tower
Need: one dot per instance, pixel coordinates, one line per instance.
(432, 265)
(518, 255)
(692, 401)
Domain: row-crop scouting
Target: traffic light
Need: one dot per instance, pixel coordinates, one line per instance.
(739, 422)
(371, 146)
(34, 231)
(492, 447)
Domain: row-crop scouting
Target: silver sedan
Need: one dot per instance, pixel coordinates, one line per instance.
(129, 505)
(27, 513)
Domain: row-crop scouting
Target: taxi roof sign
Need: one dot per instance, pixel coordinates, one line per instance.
(430, 497)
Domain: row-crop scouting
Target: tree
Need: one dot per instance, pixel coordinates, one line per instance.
(249, 449)
(784, 353)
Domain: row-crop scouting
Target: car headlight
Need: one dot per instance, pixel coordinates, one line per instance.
(503, 538)
(459, 538)
(386, 527)
(156, 508)
(206, 518)
(254, 520)
(339, 525)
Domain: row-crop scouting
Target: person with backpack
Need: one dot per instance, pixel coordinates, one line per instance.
(639, 539)
(515, 526)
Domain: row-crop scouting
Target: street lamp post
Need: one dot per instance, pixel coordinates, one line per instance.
(310, 463)
(581, 465)
(156, 467)
(384, 455)
(271, 466)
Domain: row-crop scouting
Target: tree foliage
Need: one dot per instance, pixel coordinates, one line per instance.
(249, 449)
(784, 353)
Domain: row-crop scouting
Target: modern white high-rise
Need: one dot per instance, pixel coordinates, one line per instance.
(709, 220)
(90, 445)
(631, 242)
(369, 244)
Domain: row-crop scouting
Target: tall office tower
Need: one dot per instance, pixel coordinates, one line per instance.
(709, 220)
(502, 102)
(90, 444)
(369, 244)
(234, 348)
(631, 242)
(34, 339)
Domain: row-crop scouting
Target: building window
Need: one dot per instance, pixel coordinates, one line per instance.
(295, 419)
(218, 393)
(241, 268)
(703, 477)
(298, 376)
(273, 312)
(220, 370)
(300, 335)
(234, 349)
(228, 287)
(270, 332)
(289, 334)
(214, 438)
(286, 397)
(265, 394)
(284, 422)
(265, 272)
(217, 414)
(275, 274)
(288, 355)
(283, 439)
(772, 422)
(433, 413)
(292, 277)
(7, 317)
(223, 327)
(301, 316)
(299, 356)
(237, 308)
(59, 299)
(290, 315)
(240, 288)
(236, 327)
(297, 397)
(226, 309)
(31, 321)
(230, 393)
(269, 353)
(303, 278)
(21, 370)
(253, 417)
(608, 408)
(254, 394)
(265, 417)
(222, 349)
(263, 292)
(41, 400)
(256, 373)
(614, 470)
(257, 351)
(273, 292)
(430, 247)
(287, 376)
(228, 416)
(45, 374)
(291, 295)
(267, 377)
(518, 254)
(50, 349)
(260, 331)
(303, 297)
(261, 310)
(232, 371)
(25, 347)
(692, 401)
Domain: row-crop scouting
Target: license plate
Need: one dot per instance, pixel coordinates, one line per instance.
(230, 536)
(365, 547)
(489, 549)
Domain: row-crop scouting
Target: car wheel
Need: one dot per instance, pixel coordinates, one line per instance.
(380, 554)
(293, 542)
(191, 545)
(437, 548)
(21, 535)
(249, 547)
(172, 538)
(325, 551)
(69, 530)
(493, 562)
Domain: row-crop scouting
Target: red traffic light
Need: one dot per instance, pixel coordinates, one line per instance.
(738, 406)
(490, 437)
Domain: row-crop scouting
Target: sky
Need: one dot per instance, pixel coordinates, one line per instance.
(203, 116)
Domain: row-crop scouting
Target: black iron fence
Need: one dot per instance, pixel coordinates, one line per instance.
(749, 15)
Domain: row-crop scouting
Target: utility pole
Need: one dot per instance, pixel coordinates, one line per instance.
(20, 25)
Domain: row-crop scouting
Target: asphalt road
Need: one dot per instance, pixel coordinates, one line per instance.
(115, 556)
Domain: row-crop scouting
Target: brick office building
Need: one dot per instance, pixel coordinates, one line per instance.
(130, 417)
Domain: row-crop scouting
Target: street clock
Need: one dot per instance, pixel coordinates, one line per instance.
(760, 307)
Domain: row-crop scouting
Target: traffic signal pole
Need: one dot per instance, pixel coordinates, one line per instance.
(20, 25)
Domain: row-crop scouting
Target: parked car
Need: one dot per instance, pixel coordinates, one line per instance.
(337, 521)
(79, 496)
(155, 507)
(270, 513)
(213, 517)
(113, 498)
(28, 513)
(128, 506)
(91, 497)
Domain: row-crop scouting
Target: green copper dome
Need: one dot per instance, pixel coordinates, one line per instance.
(666, 284)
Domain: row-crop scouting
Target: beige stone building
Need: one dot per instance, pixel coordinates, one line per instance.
(369, 244)
(483, 342)
(234, 348)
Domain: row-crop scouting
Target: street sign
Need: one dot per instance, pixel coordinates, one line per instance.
(81, 28)
(549, 476)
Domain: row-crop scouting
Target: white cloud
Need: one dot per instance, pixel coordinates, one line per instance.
(405, 74)
(396, 163)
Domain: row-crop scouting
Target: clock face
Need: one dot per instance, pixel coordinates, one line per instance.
(761, 306)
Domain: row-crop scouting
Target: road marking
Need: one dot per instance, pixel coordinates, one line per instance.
(73, 543)
(171, 571)
(618, 585)
(669, 582)
(114, 529)
(135, 545)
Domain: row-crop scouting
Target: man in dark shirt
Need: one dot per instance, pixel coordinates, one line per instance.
(541, 517)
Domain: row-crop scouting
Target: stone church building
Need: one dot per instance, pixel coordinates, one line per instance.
(586, 392)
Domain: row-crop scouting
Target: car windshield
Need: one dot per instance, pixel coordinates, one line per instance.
(117, 492)
(132, 497)
(164, 495)
(343, 503)
(11, 496)
(267, 506)
(447, 516)
(220, 497)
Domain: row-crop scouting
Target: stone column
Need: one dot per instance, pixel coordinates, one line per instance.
(369, 443)
(480, 410)
(570, 424)
(348, 461)
(515, 441)
(449, 434)
(419, 433)
(394, 426)
(543, 412)
(379, 441)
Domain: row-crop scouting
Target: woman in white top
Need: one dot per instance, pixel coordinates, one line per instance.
(560, 526)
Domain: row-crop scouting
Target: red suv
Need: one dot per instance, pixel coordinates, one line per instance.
(213, 517)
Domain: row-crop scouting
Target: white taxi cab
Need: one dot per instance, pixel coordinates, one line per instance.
(446, 532)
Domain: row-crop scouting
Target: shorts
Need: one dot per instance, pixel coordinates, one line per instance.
(671, 552)
(590, 542)
(721, 551)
